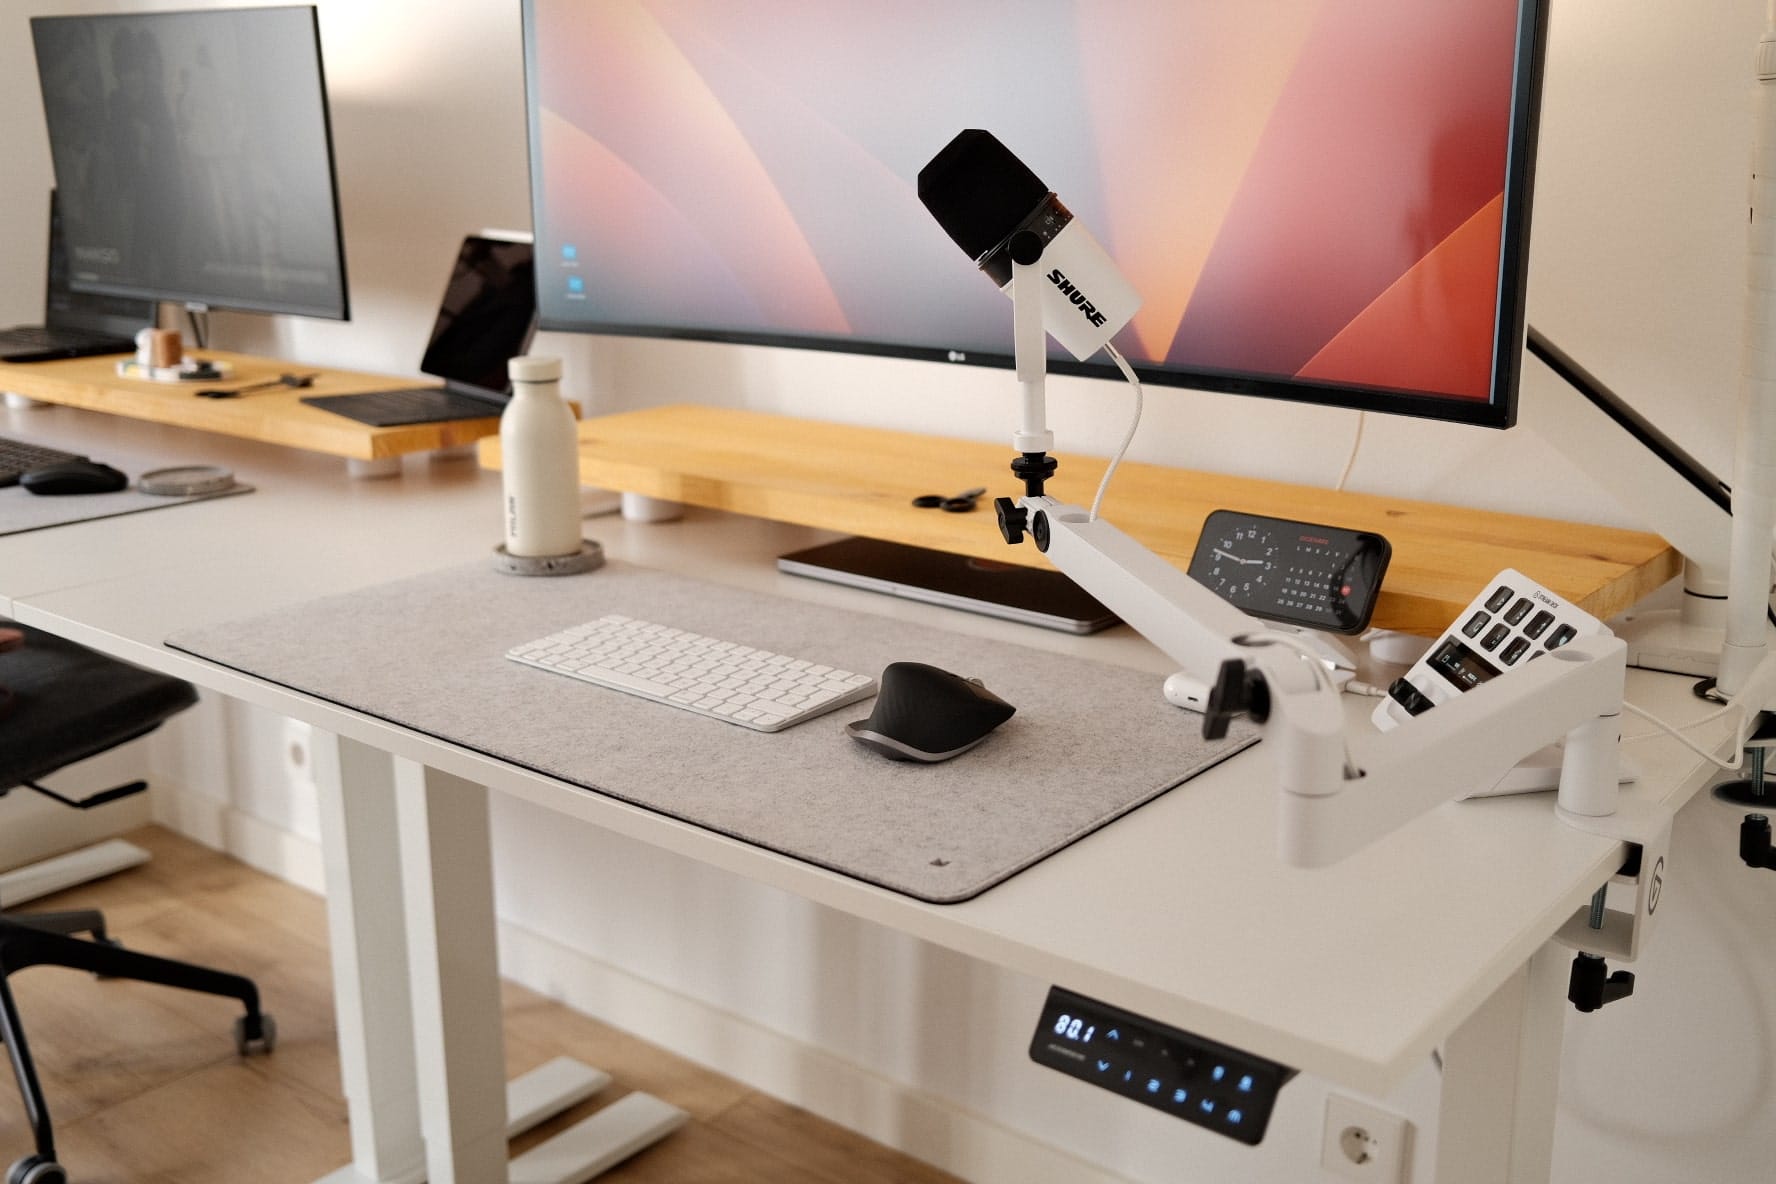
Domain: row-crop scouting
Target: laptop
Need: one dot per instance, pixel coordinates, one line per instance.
(1028, 595)
(75, 324)
(486, 318)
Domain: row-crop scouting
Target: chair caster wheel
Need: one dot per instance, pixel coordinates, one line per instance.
(34, 1169)
(251, 1038)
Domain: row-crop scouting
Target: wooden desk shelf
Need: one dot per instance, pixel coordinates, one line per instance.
(862, 480)
(276, 416)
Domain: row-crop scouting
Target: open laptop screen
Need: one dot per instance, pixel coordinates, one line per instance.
(486, 315)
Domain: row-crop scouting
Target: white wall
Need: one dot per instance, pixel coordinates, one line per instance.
(1636, 269)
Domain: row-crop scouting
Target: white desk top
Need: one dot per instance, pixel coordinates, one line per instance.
(1179, 911)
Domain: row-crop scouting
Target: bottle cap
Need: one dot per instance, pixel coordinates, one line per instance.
(533, 369)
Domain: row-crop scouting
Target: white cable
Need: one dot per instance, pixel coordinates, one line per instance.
(1322, 678)
(1677, 734)
(1128, 373)
(1350, 462)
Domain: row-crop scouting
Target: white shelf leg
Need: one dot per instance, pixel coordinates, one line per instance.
(363, 469)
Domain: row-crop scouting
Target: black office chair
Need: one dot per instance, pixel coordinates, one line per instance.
(60, 703)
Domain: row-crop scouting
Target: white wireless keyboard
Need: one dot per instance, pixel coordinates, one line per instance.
(751, 687)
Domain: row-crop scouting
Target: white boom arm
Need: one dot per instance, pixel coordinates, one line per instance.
(1336, 795)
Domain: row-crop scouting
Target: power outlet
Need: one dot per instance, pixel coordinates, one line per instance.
(1364, 1142)
(298, 755)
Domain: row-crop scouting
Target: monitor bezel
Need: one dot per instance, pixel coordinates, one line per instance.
(202, 302)
(1498, 410)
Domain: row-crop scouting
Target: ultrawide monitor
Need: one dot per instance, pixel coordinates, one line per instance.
(193, 157)
(1323, 200)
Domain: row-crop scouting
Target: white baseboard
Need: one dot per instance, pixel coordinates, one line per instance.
(253, 841)
(843, 1092)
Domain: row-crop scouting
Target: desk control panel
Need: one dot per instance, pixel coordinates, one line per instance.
(1191, 1077)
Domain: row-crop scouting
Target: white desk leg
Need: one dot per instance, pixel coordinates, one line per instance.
(417, 995)
(367, 934)
(447, 876)
(1501, 1073)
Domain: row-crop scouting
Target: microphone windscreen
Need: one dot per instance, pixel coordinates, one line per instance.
(978, 191)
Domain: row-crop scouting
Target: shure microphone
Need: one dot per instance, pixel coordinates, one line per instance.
(991, 204)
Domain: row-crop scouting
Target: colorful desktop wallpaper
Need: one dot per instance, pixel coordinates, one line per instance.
(1299, 189)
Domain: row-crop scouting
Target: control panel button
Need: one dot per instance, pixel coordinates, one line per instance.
(1501, 596)
(1409, 697)
(1560, 637)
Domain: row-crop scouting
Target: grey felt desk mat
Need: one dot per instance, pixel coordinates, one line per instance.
(22, 510)
(1089, 741)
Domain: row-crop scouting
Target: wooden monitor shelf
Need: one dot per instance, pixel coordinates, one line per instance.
(274, 416)
(862, 481)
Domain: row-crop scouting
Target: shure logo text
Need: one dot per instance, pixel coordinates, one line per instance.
(1059, 280)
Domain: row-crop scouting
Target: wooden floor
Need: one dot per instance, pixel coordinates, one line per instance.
(144, 1085)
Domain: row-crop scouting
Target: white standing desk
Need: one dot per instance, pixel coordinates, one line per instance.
(1179, 911)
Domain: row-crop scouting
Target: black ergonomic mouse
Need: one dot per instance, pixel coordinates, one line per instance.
(926, 714)
(73, 476)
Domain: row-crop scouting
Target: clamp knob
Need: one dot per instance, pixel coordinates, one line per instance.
(1238, 690)
(1592, 985)
(1754, 842)
(1013, 519)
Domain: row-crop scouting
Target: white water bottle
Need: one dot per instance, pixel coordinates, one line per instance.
(540, 463)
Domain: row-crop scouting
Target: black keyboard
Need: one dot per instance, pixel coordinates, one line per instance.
(387, 409)
(17, 457)
(29, 343)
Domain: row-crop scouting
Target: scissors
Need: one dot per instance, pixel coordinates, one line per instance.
(293, 380)
(960, 503)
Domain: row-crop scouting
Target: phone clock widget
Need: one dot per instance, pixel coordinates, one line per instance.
(1241, 559)
(1300, 573)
